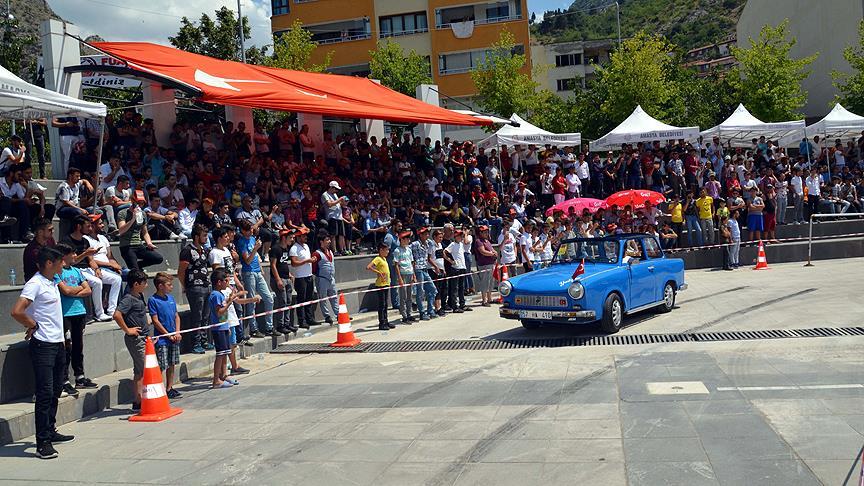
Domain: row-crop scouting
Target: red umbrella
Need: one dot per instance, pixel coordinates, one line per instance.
(635, 198)
(578, 204)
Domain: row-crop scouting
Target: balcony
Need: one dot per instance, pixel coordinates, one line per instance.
(342, 38)
(479, 14)
(343, 31)
(494, 20)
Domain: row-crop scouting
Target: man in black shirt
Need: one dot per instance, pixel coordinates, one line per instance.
(194, 275)
(282, 282)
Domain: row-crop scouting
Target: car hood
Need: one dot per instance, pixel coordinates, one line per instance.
(556, 277)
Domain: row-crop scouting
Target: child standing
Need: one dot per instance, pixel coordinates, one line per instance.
(403, 263)
(220, 306)
(73, 289)
(131, 316)
(166, 320)
(380, 267)
(734, 239)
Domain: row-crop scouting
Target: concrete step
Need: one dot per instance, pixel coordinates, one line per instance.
(777, 253)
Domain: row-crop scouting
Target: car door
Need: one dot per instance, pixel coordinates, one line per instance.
(641, 277)
(654, 256)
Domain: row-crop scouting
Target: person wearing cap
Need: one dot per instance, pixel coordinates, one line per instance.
(136, 247)
(104, 270)
(325, 277)
(403, 266)
(282, 282)
(392, 239)
(301, 269)
(423, 250)
(332, 204)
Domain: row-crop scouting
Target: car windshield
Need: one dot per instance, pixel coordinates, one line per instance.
(598, 251)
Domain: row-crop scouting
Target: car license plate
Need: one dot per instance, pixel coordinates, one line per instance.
(535, 315)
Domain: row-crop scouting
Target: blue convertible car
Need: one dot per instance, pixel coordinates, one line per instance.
(622, 274)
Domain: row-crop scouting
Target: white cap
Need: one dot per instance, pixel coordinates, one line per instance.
(335, 185)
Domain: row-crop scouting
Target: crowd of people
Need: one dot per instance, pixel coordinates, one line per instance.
(262, 215)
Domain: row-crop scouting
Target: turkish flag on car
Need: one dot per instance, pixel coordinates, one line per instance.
(580, 269)
(496, 274)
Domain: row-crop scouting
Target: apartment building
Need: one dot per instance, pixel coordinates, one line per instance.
(713, 58)
(564, 66)
(454, 34)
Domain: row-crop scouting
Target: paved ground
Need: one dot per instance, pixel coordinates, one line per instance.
(778, 412)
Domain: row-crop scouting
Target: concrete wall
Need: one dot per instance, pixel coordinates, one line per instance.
(826, 27)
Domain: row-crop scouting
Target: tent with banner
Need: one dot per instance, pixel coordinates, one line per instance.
(839, 123)
(22, 100)
(520, 132)
(641, 127)
(247, 85)
(742, 127)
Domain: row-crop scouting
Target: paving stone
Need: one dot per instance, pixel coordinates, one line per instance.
(764, 473)
(585, 450)
(670, 474)
(678, 449)
(409, 473)
(740, 425)
(832, 472)
(747, 449)
(447, 430)
(607, 474)
(655, 420)
(793, 428)
(513, 451)
(446, 451)
(717, 407)
(827, 447)
(499, 474)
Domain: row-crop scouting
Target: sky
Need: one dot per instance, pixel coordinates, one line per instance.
(155, 20)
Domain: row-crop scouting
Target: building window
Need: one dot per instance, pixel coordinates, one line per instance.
(280, 7)
(500, 10)
(564, 60)
(463, 62)
(410, 23)
(568, 84)
(593, 59)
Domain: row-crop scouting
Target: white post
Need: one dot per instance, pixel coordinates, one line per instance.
(59, 51)
(373, 128)
(159, 106)
(428, 93)
(237, 114)
(316, 131)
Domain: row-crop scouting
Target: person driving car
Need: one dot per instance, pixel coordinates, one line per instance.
(632, 251)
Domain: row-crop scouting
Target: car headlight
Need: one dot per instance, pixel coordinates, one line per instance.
(576, 291)
(505, 288)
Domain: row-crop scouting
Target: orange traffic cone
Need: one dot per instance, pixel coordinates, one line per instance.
(154, 401)
(761, 261)
(344, 335)
(504, 276)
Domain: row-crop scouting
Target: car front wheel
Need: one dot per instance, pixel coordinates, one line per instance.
(668, 299)
(613, 314)
(531, 325)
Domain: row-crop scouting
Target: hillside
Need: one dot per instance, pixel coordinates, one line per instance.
(687, 23)
(29, 15)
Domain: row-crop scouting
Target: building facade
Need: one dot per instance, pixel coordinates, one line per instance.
(454, 34)
(825, 27)
(713, 58)
(562, 67)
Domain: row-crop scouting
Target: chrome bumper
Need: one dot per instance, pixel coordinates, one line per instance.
(556, 315)
(683, 286)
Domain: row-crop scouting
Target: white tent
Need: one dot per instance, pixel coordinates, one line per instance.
(493, 119)
(839, 123)
(21, 100)
(641, 127)
(526, 133)
(742, 127)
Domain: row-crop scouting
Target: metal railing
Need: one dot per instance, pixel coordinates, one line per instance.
(347, 38)
(493, 20)
(403, 32)
(456, 70)
(810, 237)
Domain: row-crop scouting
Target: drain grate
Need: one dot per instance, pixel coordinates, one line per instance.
(561, 342)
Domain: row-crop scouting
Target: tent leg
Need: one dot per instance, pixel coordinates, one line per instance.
(98, 165)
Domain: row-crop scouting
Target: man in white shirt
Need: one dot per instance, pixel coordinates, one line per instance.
(13, 201)
(187, 217)
(104, 270)
(798, 191)
(301, 269)
(171, 194)
(116, 198)
(13, 154)
(583, 172)
(526, 246)
(110, 171)
(574, 184)
(814, 191)
(455, 256)
(69, 195)
(38, 309)
(531, 158)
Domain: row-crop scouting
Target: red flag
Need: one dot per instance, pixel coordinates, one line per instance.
(495, 273)
(580, 269)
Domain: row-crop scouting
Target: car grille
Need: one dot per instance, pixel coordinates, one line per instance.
(553, 301)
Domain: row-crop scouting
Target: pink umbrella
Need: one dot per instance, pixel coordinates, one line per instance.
(578, 204)
(635, 198)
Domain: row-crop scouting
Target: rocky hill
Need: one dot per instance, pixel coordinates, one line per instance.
(28, 15)
(687, 23)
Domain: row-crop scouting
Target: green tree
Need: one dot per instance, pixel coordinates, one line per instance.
(851, 86)
(293, 49)
(640, 72)
(503, 88)
(216, 37)
(398, 71)
(769, 80)
(555, 114)
(13, 55)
